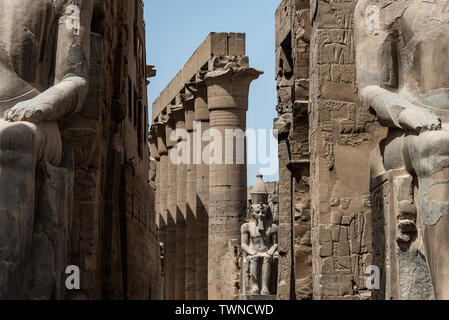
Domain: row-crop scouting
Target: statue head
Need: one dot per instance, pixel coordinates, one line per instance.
(259, 210)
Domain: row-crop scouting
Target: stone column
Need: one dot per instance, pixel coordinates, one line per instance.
(228, 90)
(171, 210)
(181, 210)
(155, 155)
(162, 194)
(190, 185)
(199, 91)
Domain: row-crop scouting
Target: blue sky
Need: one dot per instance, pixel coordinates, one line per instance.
(175, 28)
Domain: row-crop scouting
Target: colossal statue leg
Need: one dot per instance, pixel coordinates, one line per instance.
(429, 153)
(266, 272)
(426, 156)
(22, 145)
(254, 271)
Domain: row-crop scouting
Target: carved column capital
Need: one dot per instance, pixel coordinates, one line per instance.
(227, 62)
(197, 88)
(229, 87)
(188, 101)
(178, 112)
(199, 91)
(160, 134)
(170, 126)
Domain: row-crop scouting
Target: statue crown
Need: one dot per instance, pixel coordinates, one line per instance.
(259, 193)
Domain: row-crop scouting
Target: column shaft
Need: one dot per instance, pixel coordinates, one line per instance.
(202, 195)
(181, 210)
(228, 102)
(202, 211)
(199, 91)
(191, 225)
(171, 213)
(162, 195)
(156, 156)
(190, 195)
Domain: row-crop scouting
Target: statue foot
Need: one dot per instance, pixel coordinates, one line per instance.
(265, 292)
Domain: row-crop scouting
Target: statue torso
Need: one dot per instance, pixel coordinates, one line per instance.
(260, 240)
(423, 36)
(28, 31)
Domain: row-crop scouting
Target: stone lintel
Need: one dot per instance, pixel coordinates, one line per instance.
(294, 165)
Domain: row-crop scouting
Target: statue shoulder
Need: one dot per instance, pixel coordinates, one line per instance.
(274, 228)
(244, 227)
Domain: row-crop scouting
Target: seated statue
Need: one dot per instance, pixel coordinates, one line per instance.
(44, 51)
(402, 69)
(259, 239)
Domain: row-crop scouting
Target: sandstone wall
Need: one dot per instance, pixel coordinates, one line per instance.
(325, 139)
(292, 71)
(342, 135)
(113, 237)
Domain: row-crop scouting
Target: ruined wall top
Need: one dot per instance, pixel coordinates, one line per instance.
(216, 44)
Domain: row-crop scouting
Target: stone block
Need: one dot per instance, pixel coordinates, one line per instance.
(336, 285)
(325, 249)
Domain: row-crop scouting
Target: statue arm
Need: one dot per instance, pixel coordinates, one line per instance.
(377, 74)
(245, 240)
(69, 92)
(73, 55)
(274, 247)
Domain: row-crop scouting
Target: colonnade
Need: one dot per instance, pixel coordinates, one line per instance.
(200, 202)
